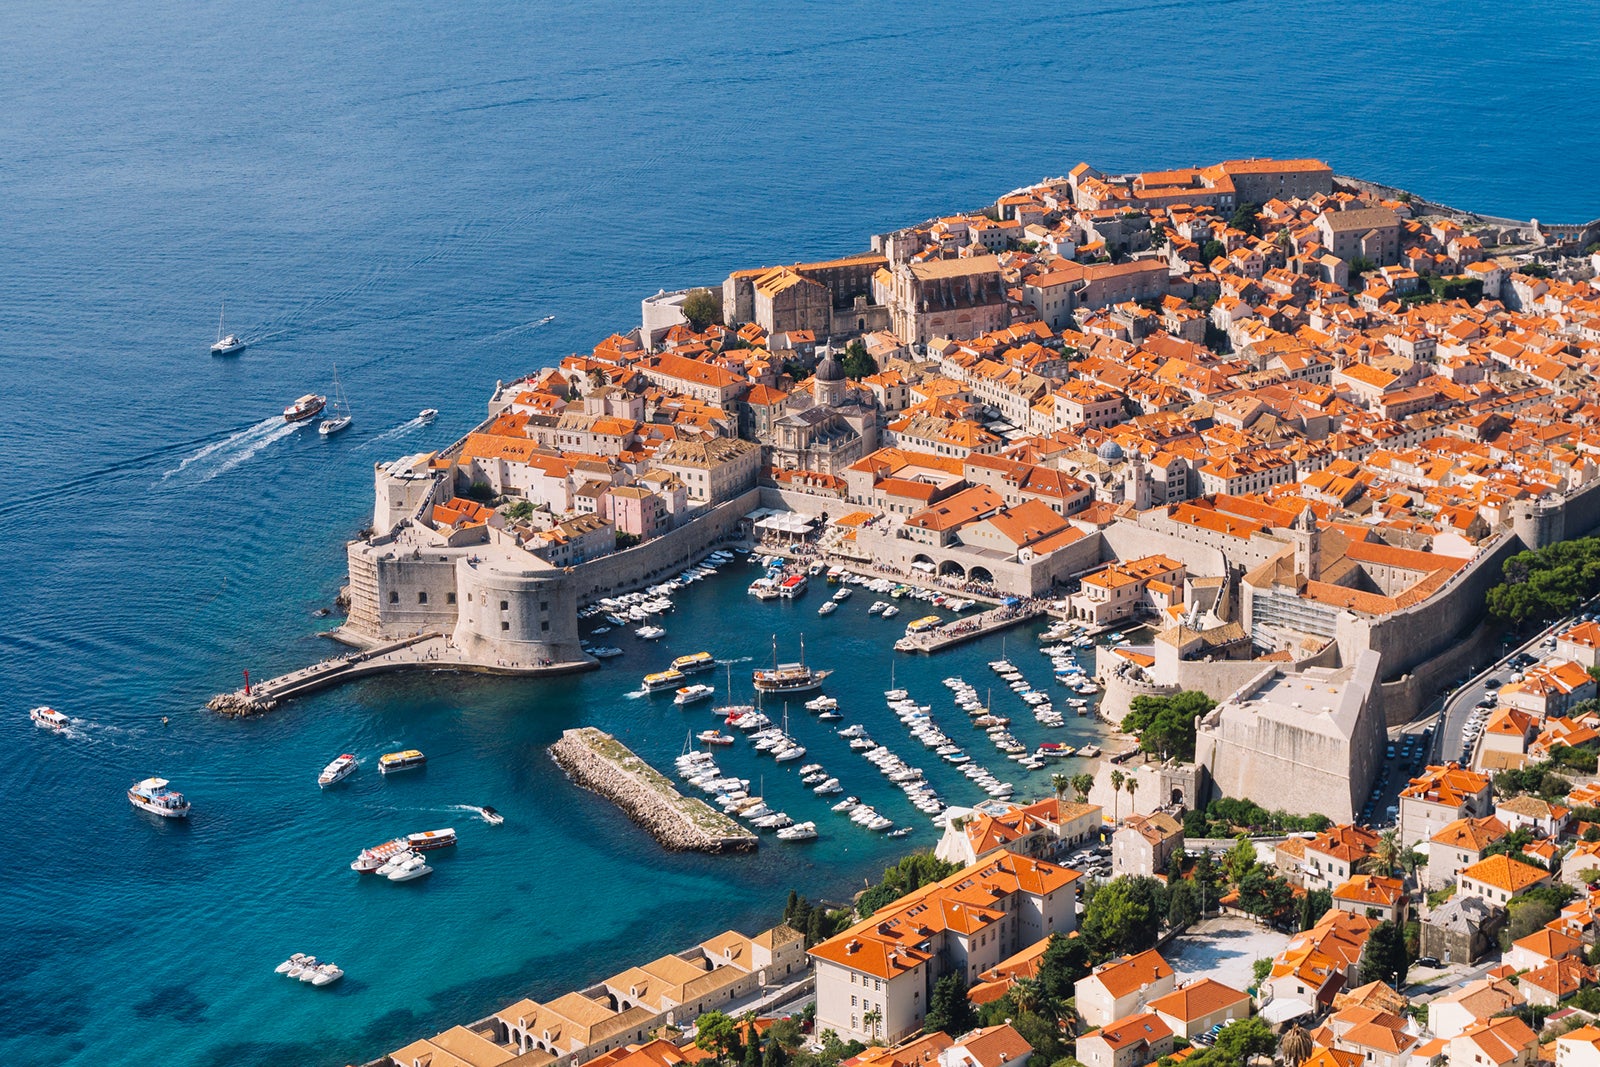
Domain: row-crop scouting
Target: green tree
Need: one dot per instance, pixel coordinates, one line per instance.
(1385, 854)
(1211, 250)
(702, 307)
(1384, 959)
(856, 364)
(1132, 786)
(1065, 960)
(1183, 903)
(1117, 778)
(777, 1056)
(752, 1048)
(1296, 1045)
(1081, 784)
(1241, 860)
(1244, 218)
(1313, 906)
(717, 1033)
(519, 510)
(1124, 915)
(1060, 783)
(948, 1007)
(871, 1020)
(1166, 725)
(910, 874)
(1528, 915)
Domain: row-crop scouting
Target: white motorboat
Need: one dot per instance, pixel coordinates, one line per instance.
(410, 871)
(650, 633)
(793, 752)
(801, 831)
(396, 861)
(49, 719)
(828, 607)
(828, 788)
(337, 771)
(327, 974)
(293, 961)
(690, 694)
(152, 795)
(847, 804)
(305, 963)
(227, 345)
(822, 704)
(427, 414)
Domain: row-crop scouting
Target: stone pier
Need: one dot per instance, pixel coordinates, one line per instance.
(599, 762)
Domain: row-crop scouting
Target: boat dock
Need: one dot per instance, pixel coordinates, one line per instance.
(430, 651)
(600, 763)
(957, 631)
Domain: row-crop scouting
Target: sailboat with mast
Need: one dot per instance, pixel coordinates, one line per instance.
(229, 344)
(339, 413)
(788, 677)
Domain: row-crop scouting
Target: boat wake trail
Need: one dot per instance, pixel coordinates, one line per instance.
(234, 440)
(740, 659)
(514, 330)
(249, 448)
(409, 426)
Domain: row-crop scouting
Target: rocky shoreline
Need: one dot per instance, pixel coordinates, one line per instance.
(600, 763)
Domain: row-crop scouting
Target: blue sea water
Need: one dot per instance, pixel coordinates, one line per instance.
(406, 191)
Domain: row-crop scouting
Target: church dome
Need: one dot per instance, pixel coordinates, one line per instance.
(829, 370)
(1110, 451)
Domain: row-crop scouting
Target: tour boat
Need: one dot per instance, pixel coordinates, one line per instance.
(431, 839)
(229, 344)
(304, 408)
(337, 771)
(152, 795)
(788, 677)
(376, 856)
(339, 415)
(400, 761)
(690, 693)
(694, 663)
(793, 586)
(714, 737)
(49, 718)
(667, 679)
(427, 414)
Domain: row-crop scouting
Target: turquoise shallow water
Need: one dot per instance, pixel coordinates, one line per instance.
(406, 191)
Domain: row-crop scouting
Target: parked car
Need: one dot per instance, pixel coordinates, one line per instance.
(1426, 961)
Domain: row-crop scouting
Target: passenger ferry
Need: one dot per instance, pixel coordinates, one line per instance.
(788, 677)
(793, 586)
(431, 839)
(152, 795)
(694, 663)
(304, 408)
(667, 679)
(927, 622)
(49, 718)
(337, 771)
(400, 761)
(690, 694)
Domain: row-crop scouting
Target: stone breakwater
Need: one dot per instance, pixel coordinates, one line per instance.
(600, 763)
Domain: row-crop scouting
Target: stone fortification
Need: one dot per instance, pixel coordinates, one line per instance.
(599, 762)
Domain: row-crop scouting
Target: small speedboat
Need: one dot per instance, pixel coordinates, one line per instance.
(300, 968)
(327, 974)
(297, 959)
(337, 771)
(650, 633)
(427, 415)
(689, 694)
(49, 718)
(714, 737)
(902, 832)
(490, 816)
(410, 870)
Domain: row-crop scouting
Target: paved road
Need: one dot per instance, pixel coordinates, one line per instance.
(1447, 740)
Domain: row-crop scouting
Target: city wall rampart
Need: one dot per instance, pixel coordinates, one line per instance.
(661, 557)
(1157, 536)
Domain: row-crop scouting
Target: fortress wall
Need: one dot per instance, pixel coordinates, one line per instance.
(661, 557)
(1583, 511)
(387, 585)
(1414, 635)
(523, 617)
(1127, 540)
(1282, 767)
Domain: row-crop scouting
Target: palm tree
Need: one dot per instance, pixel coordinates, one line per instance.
(1296, 1046)
(1130, 785)
(1081, 784)
(1385, 854)
(1117, 778)
(872, 1019)
(1061, 783)
(1025, 995)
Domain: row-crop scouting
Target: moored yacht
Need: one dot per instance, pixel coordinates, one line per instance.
(49, 718)
(337, 771)
(376, 856)
(431, 839)
(152, 795)
(788, 677)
